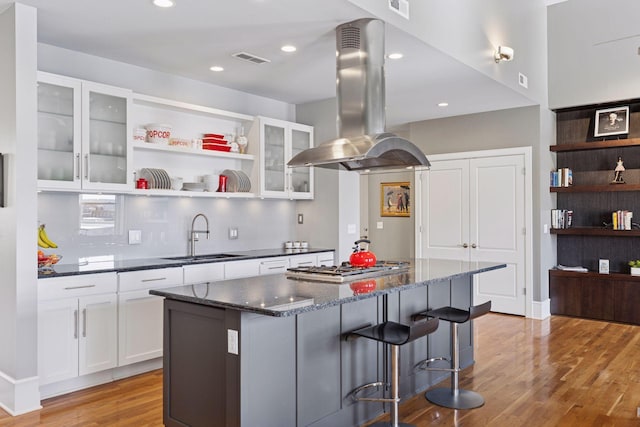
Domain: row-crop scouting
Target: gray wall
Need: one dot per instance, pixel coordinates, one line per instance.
(593, 57)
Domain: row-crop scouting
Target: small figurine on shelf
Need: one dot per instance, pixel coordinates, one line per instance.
(617, 178)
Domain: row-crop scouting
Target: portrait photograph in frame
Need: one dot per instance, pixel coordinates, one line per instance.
(612, 121)
(395, 199)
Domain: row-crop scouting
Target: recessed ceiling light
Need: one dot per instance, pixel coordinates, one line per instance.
(288, 48)
(163, 3)
(396, 55)
(443, 104)
(216, 68)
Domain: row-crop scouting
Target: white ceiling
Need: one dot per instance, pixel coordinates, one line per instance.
(195, 34)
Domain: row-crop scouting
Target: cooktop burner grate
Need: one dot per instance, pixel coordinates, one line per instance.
(345, 271)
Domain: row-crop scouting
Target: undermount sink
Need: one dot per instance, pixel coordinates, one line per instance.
(206, 257)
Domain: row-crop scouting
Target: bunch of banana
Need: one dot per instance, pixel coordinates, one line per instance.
(43, 239)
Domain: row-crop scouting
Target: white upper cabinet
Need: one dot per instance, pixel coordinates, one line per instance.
(83, 133)
(278, 142)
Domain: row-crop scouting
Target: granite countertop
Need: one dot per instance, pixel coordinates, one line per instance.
(277, 295)
(110, 264)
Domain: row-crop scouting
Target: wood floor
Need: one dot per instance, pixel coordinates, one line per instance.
(556, 372)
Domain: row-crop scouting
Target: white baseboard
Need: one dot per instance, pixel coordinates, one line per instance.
(541, 309)
(103, 377)
(18, 397)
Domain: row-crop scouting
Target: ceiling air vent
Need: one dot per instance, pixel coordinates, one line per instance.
(350, 38)
(244, 56)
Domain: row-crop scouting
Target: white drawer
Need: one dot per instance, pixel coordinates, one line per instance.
(274, 266)
(149, 279)
(308, 260)
(199, 273)
(76, 286)
(238, 269)
(326, 258)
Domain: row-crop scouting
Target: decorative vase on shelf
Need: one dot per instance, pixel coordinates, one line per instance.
(635, 271)
(242, 140)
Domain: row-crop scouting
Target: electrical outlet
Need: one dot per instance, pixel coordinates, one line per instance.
(523, 80)
(233, 233)
(135, 237)
(232, 341)
(300, 218)
(379, 225)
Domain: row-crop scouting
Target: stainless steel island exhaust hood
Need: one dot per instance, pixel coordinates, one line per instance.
(363, 142)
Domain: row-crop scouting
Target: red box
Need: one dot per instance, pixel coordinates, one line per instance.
(216, 147)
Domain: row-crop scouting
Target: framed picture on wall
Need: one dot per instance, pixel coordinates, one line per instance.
(395, 199)
(612, 121)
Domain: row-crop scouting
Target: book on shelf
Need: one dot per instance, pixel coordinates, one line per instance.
(561, 218)
(571, 268)
(621, 220)
(563, 177)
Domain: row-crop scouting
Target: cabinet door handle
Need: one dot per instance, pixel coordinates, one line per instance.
(84, 322)
(473, 245)
(68, 288)
(464, 245)
(86, 166)
(77, 174)
(157, 279)
(75, 324)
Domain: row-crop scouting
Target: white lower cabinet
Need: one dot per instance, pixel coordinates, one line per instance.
(77, 326)
(240, 269)
(325, 258)
(140, 314)
(199, 273)
(274, 265)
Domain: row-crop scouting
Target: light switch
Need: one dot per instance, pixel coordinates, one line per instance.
(135, 237)
(233, 233)
(379, 225)
(351, 229)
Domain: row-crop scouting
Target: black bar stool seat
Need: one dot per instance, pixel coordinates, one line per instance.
(394, 334)
(453, 397)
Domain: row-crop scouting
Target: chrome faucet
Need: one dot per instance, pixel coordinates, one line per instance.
(194, 233)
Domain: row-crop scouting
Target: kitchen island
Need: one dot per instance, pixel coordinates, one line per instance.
(270, 351)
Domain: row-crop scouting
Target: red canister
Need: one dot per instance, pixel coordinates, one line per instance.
(222, 184)
(142, 184)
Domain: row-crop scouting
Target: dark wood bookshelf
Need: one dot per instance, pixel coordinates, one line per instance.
(596, 231)
(595, 145)
(593, 275)
(596, 188)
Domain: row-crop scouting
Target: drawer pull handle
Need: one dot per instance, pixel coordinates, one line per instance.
(79, 287)
(278, 267)
(143, 298)
(157, 279)
(84, 322)
(305, 263)
(75, 324)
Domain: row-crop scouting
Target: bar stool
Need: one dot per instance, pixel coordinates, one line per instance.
(453, 397)
(394, 334)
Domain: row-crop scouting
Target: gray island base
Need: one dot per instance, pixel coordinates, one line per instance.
(270, 351)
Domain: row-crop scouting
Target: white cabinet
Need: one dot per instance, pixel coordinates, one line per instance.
(140, 314)
(274, 265)
(77, 326)
(199, 273)
(306, 260)
(83, 133)
(325, 258)
(278, 142)
(240, 269)
(188, 122)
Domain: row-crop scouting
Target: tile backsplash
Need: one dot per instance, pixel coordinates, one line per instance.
(84, 225)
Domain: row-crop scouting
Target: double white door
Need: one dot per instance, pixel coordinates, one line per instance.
(474, 210)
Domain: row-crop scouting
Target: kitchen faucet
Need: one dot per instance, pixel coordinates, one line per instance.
(194, 233)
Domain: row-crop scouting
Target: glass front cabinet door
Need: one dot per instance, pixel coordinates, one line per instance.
(280, 140)
(83, 132)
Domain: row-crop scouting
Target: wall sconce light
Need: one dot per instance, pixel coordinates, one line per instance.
(504, 53)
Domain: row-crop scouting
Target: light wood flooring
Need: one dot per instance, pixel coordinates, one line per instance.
(556, 372)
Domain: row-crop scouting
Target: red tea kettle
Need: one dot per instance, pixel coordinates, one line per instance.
(362, 257)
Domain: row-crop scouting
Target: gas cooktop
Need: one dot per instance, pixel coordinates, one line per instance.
(346, 272)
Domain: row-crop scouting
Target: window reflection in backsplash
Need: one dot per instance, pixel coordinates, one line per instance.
(98, 213)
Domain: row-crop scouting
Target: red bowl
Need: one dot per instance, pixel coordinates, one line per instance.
(216, 147)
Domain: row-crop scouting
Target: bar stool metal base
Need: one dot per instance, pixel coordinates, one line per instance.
(463, 399)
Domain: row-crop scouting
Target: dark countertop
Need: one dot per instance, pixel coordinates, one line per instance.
(277, 295)
(111, 264)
